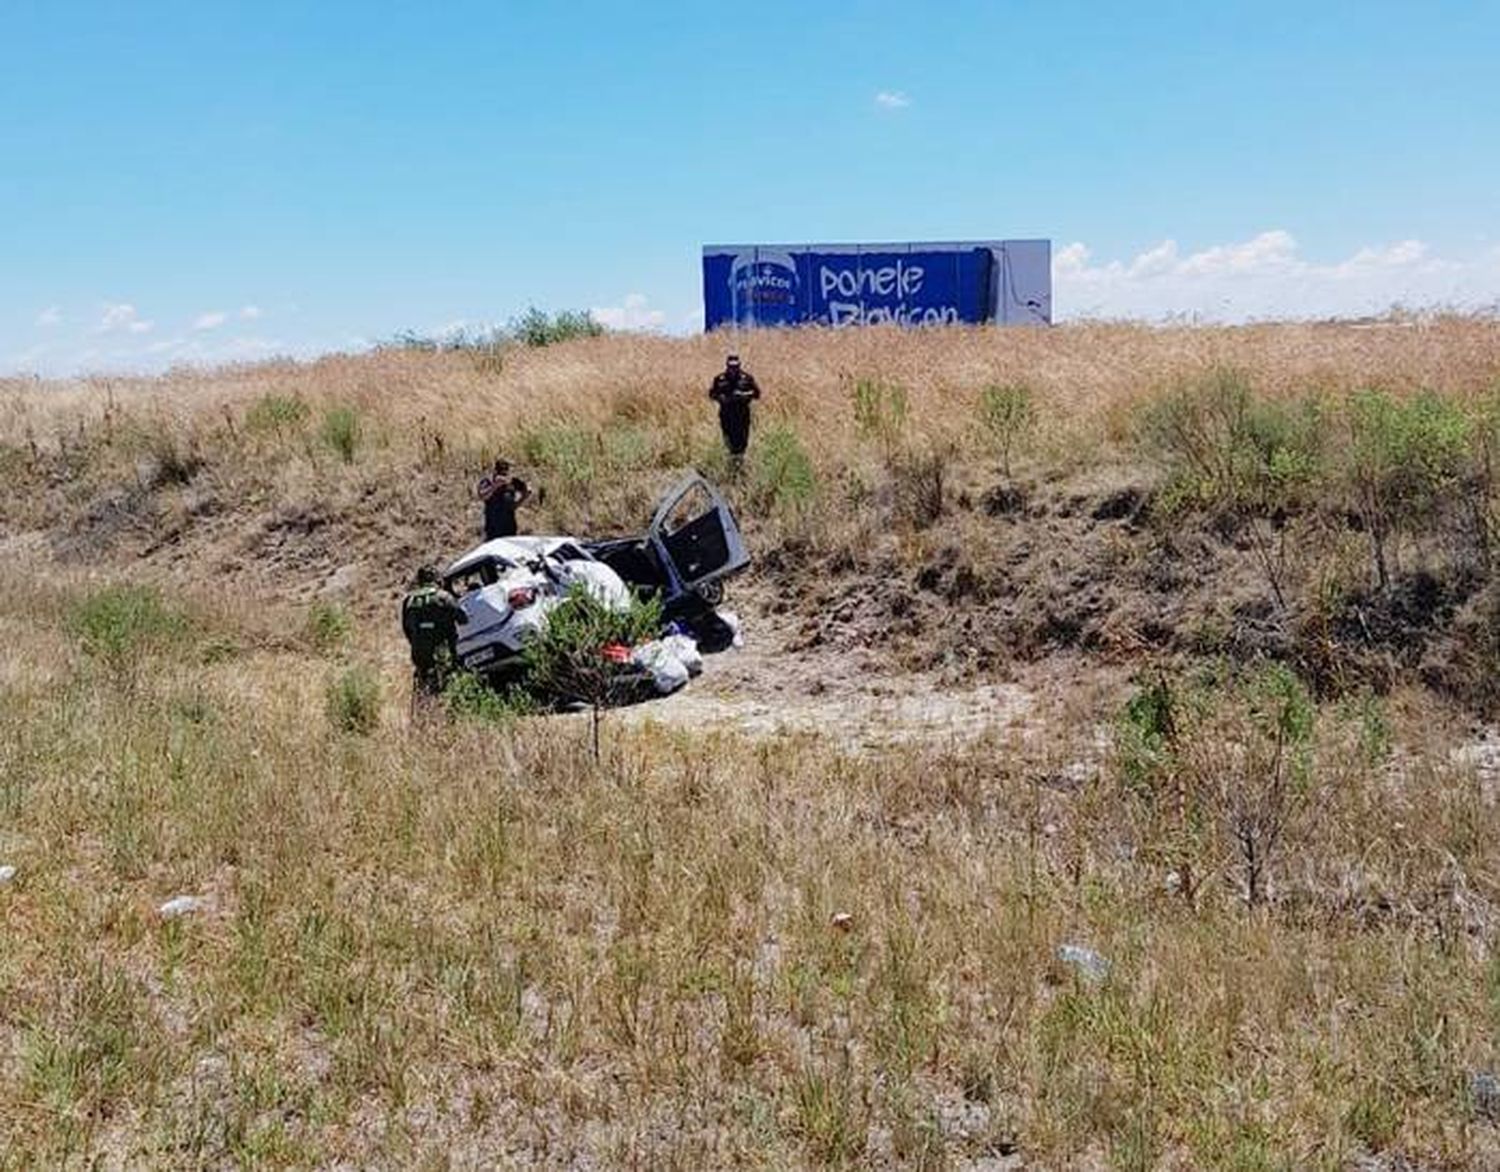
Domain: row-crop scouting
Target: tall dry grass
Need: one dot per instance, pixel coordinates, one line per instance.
(1083, 375)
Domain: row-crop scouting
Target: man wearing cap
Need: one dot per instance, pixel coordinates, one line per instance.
(430, 618)
(733, 389)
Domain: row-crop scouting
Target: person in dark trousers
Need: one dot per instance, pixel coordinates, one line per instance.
(501, 493)
(734, 389)
(430, 618)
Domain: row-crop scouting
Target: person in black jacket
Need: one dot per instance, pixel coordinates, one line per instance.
(501, 493)
(734, 389)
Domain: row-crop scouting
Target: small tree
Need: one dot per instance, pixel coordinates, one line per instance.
(1404, 458)
(1007, 414)
(1223, 767)
(1257, 759)
(880, 411)
(567, 661)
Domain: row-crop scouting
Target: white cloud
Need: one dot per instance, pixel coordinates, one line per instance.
(892, 100)
(122, 318)
(1267, 277)
(211, 320)
(49, 317)
(251, 313)
(634, 314)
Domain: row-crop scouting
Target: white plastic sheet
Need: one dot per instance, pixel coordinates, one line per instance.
(664, 660)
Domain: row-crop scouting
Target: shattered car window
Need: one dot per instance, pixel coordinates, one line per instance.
(485, 573)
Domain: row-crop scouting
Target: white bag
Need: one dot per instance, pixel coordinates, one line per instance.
(685, 648)
(668, 673)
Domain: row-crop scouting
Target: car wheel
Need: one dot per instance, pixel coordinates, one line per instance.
(712, 593)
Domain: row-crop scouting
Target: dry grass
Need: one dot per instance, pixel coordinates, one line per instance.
(1084, 376)
(463, 944)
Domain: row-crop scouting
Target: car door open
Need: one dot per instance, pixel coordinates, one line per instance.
(695, 537)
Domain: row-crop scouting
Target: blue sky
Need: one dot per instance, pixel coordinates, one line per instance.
(205, 182)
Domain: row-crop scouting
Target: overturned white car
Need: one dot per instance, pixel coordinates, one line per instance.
(507, 587)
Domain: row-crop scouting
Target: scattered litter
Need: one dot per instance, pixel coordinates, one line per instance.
(7, 873)
(182, 905)
(685, 647)
(843, 921)
(1484, 1088)
(1174, 882)
(732, 621)
(664, 660)
(1089, 964)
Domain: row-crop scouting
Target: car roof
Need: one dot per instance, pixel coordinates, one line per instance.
(514, 550)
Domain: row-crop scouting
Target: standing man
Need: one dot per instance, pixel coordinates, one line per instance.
(501, 494)
(733, 389)
(430, 618)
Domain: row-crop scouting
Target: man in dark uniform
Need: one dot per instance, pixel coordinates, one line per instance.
(733, 389)
(501, 494)
(430, 618)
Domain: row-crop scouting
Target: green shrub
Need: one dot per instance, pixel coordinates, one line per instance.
(1146, 732)
(565, 661)
(353, 700)
(328, 625)
(116, 623)
(1007, 415)
(1404, 459)
(536, 327)
(782, 478)
(880, 411)
(1223, 763)
(467, 697)
(569, 451)
(277, 413)
(341, 431)
(1227, 448)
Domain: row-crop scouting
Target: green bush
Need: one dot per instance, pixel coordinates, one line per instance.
(565, 661)
(782, 478)
(116, 623)
(328, 625)
(536, 327)
(1007, 415)
(341, 431)
(1225, 447)
(1223, 763)
(880, 411)
(352, 701)
(467, 697)
(275, 413)
(1404, 460)
(569, 451)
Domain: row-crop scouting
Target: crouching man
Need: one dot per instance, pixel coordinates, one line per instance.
(430, 618)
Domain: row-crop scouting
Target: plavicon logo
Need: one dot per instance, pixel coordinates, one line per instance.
(763, 289)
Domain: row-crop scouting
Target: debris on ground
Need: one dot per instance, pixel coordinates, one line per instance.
(1484, 1089)
(7, 873)
(183, 905)
(1085, 961)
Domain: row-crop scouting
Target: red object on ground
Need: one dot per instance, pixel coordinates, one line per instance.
(615, 652)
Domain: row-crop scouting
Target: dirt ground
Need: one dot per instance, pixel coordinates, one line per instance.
(766, 688)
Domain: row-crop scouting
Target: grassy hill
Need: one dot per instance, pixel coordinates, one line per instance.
(1221, 605)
